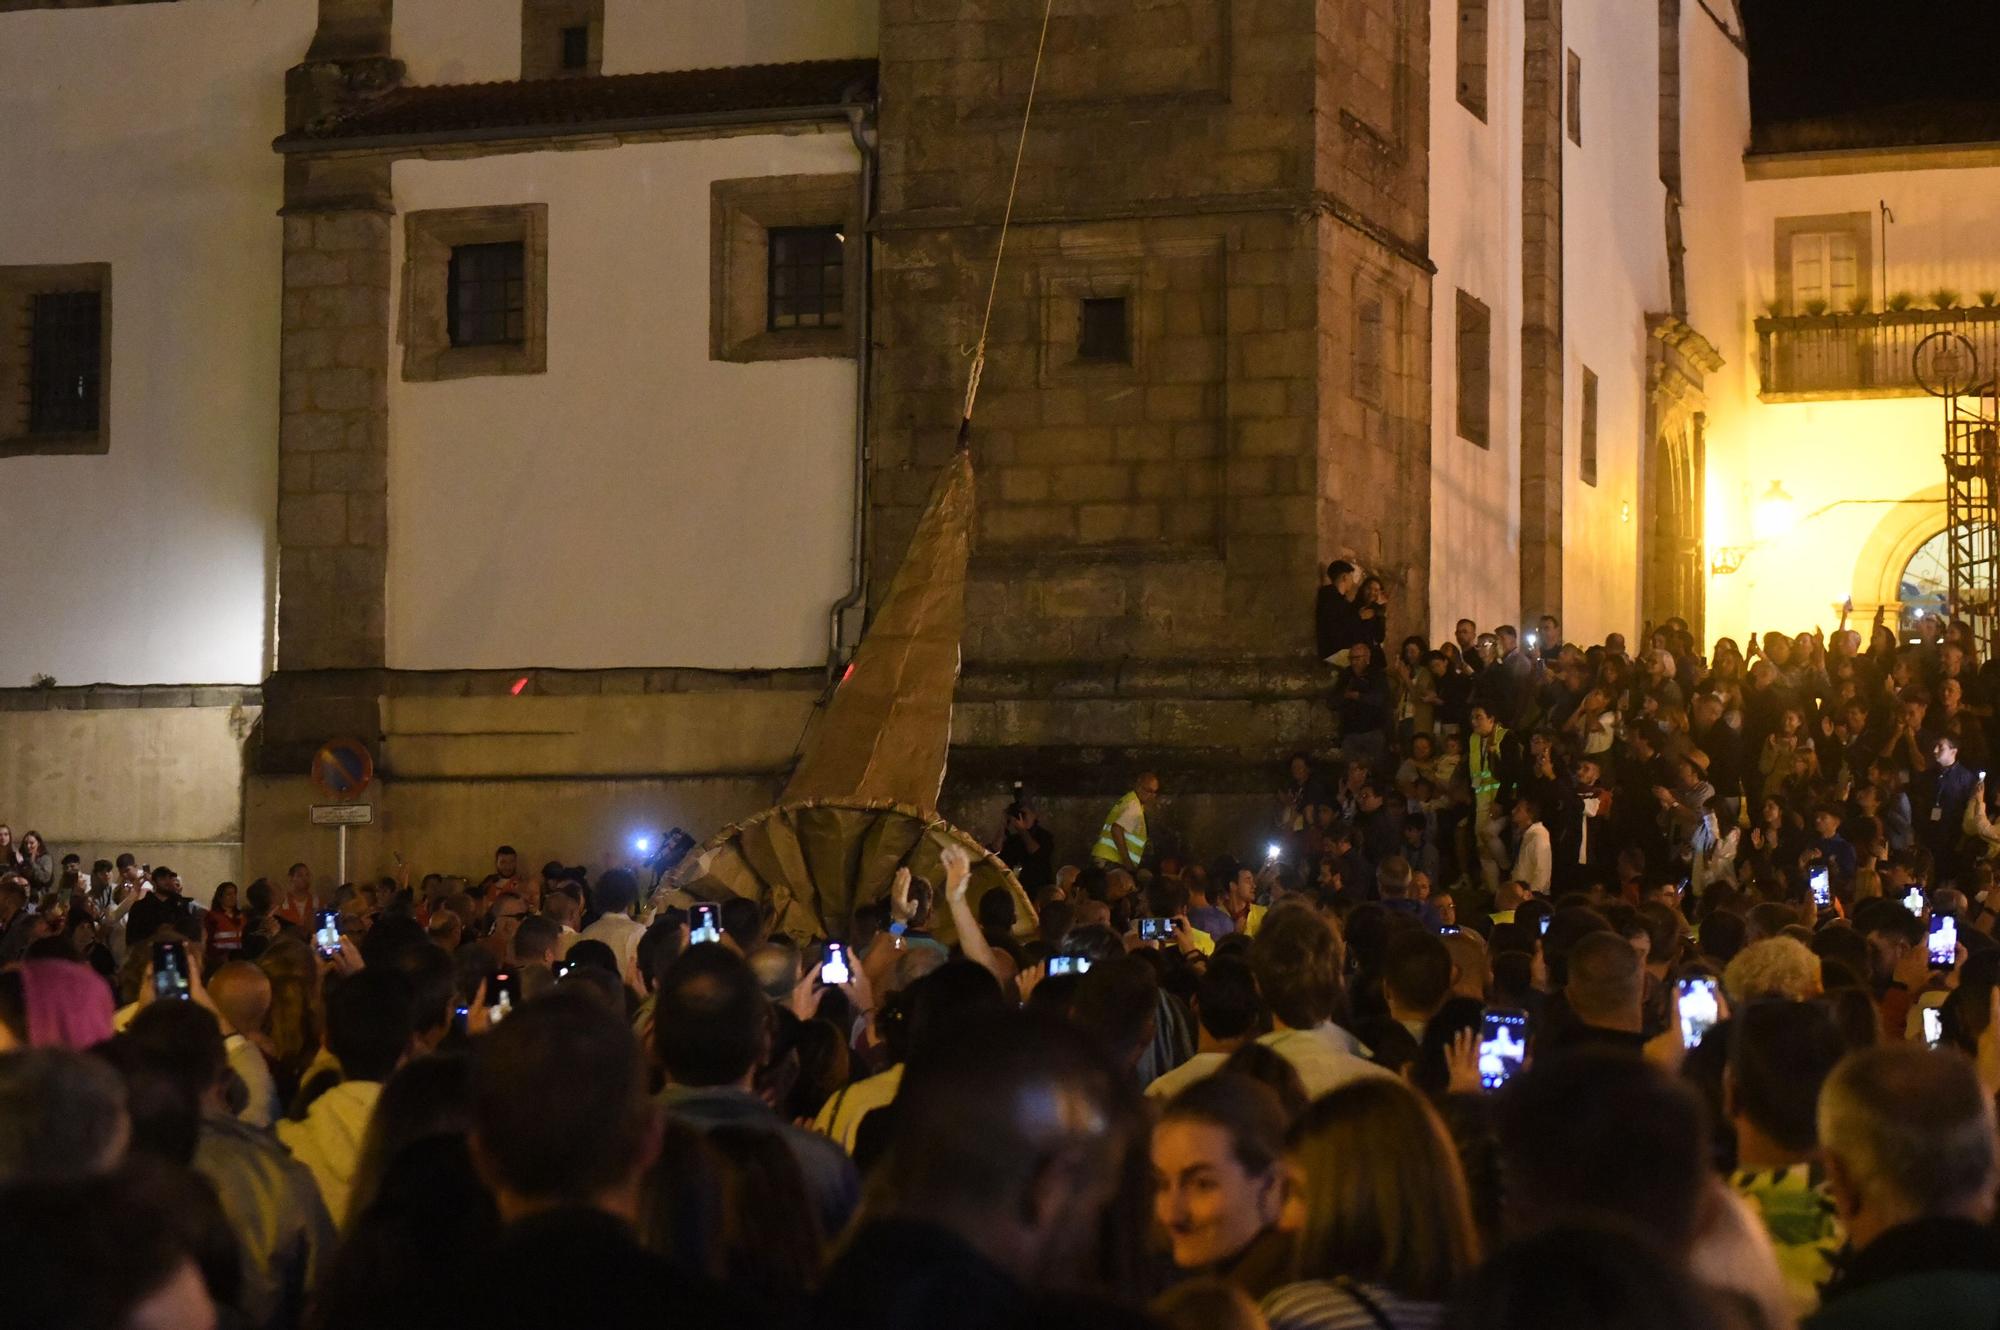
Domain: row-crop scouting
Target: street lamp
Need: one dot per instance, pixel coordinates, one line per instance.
(1777, 513)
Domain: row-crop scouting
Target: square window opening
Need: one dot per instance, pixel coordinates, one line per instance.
(576, 47)
(487, 303)
(1104, 334)
(65, 352)
(807, 274)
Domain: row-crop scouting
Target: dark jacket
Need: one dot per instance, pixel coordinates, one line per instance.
(828, 1173)
(576, 1265)
(898, 1274)
(1931, 1274)
(1337, 625)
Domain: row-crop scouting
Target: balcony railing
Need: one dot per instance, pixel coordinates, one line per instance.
(1803, 356)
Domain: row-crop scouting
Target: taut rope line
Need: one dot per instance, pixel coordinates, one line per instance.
(1006, 217)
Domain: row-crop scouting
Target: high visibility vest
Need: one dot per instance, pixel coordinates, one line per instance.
(1124, 814)
(1485, 779)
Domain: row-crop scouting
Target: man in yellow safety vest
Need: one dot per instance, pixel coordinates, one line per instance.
(1492, 762)
(1123, 841)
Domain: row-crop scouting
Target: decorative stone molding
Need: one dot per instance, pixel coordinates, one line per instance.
(742, 213)
(429, 236)
(19, 285)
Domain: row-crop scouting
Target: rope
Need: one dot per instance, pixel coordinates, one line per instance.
(1006, 218)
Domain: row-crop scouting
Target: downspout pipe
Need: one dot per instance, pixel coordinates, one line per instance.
(861, 127)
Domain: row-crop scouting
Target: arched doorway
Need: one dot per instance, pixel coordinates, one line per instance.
(1924, 587)
(1673, 583)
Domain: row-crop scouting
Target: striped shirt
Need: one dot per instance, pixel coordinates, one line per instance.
(1325, 1304)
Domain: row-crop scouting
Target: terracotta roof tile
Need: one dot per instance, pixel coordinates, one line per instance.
(596, 102)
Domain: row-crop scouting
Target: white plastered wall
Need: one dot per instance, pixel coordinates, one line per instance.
(140, 136)
(639, 504)
(1715, 128)
(1475, 241)
(1614, 275)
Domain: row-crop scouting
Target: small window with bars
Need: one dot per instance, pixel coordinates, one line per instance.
(487, 296)
(65, 361)
(806, 276)
(576, 48)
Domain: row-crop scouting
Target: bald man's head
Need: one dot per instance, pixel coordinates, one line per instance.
(242, 993)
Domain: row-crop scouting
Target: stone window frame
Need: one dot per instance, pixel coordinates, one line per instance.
(542, 25)
(1473, 56)
(1473, 375)
(1573, 97)
(742, 214)
(1859, 224)
(429, 235)
(18, 284)
(1372, 285)
(1063, 292)
(1586, 451)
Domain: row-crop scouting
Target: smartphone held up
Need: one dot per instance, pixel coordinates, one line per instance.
(1699, 1006)
(172, 980)
(1503, 1046)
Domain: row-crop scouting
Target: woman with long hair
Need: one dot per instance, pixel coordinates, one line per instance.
(1382, 1225)
(295, 1013)
(38, 865)
(223, 926)
(431, 1096)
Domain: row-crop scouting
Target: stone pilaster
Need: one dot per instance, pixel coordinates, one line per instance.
(333, 426)
(1542, 311)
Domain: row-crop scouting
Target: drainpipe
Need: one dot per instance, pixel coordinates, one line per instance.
(860, 116)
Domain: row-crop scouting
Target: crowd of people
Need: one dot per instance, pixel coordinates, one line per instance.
(1577, 989)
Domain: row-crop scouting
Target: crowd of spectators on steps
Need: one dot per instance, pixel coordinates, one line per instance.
(1576, 987)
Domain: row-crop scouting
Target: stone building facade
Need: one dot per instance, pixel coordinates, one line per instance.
(1221, 352)
(1227, 185)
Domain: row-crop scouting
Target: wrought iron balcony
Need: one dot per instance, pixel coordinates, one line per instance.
(1810, 357)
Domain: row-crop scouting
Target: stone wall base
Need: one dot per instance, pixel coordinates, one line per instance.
(156, 771)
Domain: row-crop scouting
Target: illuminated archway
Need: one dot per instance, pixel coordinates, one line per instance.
(1905, 529)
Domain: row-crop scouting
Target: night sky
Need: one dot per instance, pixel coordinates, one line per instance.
(1824, 57)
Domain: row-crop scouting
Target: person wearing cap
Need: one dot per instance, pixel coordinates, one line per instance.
(1684, 806)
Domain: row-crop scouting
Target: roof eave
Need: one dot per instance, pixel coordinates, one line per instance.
(826, 112)
(1864, 160)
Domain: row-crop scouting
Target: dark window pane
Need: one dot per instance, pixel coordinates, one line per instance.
(576, 48)
(806, 276)
(1103, 334)
(65, 350)
(487, 300)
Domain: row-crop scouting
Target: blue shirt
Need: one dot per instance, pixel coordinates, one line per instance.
(1212, 921)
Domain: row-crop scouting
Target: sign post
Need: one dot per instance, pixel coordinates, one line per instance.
(342, 770)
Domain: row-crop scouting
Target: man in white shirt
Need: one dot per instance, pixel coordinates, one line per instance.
(1534, 860)
(617, 893)
(1226, 1009)
(1297, 961)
